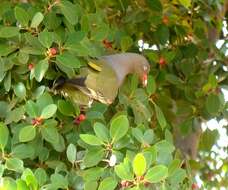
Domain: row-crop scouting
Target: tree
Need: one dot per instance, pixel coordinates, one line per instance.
(47, 143)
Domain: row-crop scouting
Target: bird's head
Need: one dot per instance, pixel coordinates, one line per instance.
(142, 68)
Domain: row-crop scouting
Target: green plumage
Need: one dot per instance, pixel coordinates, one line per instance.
(102, 78)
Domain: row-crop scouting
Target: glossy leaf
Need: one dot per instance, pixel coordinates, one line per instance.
(156, 174)
(21, 15)
(27, 133)
(8, 31)
(91, 139)
(66, 108)
(41, 176)
(160, 116)
(101, 131)
(71, 153)
(14, 164)
(37, 19)
(4, 135)
(68, 60)
(119, 127)
(40, 70)
(108, 183)
(48, 111)
(20, 90)
(69, 11)
(139, 164)
(212, 104)
(46, 38)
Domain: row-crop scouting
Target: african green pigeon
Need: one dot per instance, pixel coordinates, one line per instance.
(102, 81)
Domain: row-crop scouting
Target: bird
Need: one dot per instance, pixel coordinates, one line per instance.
(102, 78)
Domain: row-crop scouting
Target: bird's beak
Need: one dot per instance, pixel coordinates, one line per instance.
(144, 80)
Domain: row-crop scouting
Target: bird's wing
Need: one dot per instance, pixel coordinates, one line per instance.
(76, 95)
(102, 83)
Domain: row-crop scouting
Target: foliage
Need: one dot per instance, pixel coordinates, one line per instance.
(46, 144)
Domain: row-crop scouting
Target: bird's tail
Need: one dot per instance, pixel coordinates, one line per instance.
(61, 81)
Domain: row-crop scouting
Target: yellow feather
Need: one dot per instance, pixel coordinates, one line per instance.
(94, 66)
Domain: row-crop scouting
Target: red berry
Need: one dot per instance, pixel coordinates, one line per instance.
(30, 66)
(53, 51)
(107, 44)
(165, 20)
(162, 61)
(76, 121)
(81, 117)
(195, 186)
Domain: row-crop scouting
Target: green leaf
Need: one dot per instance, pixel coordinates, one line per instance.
(40, 69)
(137, 133)
(148, 136)
(71, 153)
(66, 108)
(154, 5)
(90, 185)
(160, 116)
(8, 31)
(123, 171)
(151, 86)
(69, 11)
(108, 183)
(20, 90)
(99, 33)
(134, 82)
(8, 184)
(126, 43)
(208, 139)
(41, 176)
(15, 115)
(21, 185)
(139, 164)
(14, 164)
(39, 91)
(48, 111)
(101, 131)
(27, 133)
(175, 164)
(185, 3)
(93, 157)
(7, 82)
(213, 104)
(156, 174)
(29, 178)
(44, 100)
(4, 135)
(21, 15)
(50, 134)
(68, 60)
(162, 34)
(23, 151)
(178, 176)
(31, 109)
(4, 107)
(91, 139)
(119, 127)
(165, 146)
(59, 181)
(46, 38)
(92, 174)
(37, 19)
